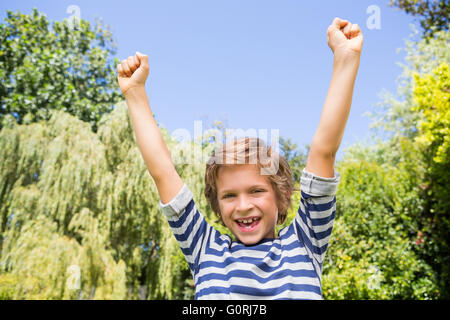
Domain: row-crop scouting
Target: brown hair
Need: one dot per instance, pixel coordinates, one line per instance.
(251, 150)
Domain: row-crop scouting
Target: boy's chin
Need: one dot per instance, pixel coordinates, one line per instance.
(249, 240)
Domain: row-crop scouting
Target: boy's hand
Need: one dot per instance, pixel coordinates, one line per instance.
(132, 72)
(344, 37)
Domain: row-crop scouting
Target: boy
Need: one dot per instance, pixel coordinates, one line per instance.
(260, 264)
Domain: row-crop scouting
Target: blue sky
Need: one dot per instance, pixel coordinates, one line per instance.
(254, 64)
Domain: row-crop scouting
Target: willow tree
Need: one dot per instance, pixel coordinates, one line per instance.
(71, 197)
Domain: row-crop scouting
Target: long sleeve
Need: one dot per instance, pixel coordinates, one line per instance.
(315, 217)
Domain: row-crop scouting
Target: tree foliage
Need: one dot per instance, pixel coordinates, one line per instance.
(432, 99)
(295, 158)
(47, 66)
(434, 15)
(418, 116)
(372, 254)
(96, 205)
(394, 114)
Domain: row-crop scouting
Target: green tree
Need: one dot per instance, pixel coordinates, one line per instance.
(371, 253)
(432, 99)
(394, 114)
(295, 158)
(434, 15)
(57, 66)
(96, 202)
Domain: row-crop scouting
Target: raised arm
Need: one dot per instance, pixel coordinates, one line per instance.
(132, 74)
(345, 40)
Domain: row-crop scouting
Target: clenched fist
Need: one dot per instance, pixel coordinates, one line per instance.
(344, 37)
(132, 72)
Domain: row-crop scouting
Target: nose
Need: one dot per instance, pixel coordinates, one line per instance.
(244, 203)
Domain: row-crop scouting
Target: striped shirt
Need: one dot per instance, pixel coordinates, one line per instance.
(287, 267)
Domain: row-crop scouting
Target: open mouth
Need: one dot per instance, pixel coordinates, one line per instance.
(249, 224)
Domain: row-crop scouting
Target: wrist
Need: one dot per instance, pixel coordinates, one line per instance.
(346, 57)
(135, 93)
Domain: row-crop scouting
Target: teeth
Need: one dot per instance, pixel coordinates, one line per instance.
(247, 221)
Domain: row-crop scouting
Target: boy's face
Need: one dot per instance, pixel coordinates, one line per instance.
(247, 202)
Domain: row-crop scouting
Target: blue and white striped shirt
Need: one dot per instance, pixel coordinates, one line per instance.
(287, 267)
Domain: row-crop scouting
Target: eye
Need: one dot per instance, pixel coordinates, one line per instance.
(228, 196)
(258, 190)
